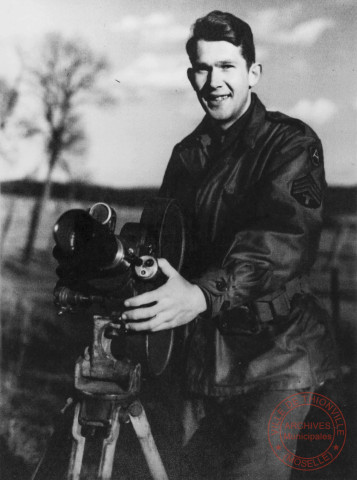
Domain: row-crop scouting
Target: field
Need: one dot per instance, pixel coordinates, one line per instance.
(39, 349)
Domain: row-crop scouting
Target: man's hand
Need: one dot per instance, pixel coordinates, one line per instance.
(177, 302)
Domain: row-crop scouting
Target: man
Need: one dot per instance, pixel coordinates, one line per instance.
(250, 183)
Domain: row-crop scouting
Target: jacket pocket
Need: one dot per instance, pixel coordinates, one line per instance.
(239, 321)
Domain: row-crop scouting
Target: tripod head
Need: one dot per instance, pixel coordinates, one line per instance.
(97, 267)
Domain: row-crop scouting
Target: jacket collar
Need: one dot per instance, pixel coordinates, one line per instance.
(250, 131)
(255, 123)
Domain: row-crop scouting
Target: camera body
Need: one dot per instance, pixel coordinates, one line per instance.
(87, 247)
(97, 267)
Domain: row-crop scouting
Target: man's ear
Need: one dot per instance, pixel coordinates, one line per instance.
(191, 77)
(255, 72)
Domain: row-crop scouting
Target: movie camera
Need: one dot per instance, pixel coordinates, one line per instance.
(99, 269)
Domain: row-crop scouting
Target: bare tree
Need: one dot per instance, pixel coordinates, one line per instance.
(8, 98)
(66, 79)
(9, 94)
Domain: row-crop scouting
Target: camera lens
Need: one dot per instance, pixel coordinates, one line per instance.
(73, 231)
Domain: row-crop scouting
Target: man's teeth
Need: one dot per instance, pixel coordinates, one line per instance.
(220, 98)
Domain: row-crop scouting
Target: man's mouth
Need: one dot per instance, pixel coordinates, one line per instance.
(216, 99)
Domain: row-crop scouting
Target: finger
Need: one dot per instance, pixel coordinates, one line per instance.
(141, 313)
(149, 325)
(166, 268)
(143, 299)
(165, 326)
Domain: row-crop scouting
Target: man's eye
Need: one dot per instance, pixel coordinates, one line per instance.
(227, 67)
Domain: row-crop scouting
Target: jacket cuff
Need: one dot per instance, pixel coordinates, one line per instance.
(215, 292)
(208, 312)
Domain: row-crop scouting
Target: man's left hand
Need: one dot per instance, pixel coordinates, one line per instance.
(176, 303)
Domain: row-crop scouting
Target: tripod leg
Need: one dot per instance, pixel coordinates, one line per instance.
(108, 449)
(143, 432)
(75, 463)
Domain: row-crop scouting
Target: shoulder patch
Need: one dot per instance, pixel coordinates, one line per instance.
(315, 155)
(306, 191)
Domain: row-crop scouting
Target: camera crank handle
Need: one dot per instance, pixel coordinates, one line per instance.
(68, 299)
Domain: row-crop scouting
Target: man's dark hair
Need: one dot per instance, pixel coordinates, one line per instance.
(218, 26)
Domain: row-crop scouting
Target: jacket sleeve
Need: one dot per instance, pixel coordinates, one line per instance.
(281, 239)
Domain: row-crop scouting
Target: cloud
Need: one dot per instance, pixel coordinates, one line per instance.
(305, 33)
(317, 112)
(153, 29)
(283, 26)
(132, 23)
(339, 3)
(156, 72)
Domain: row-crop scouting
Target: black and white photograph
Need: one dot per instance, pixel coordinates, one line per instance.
(178, 236)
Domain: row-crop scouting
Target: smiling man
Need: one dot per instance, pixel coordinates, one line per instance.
(222, 80)
(250, 184)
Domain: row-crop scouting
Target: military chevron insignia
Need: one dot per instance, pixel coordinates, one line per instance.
(307, 192)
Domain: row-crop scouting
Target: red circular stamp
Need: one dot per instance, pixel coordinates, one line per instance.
(324, 438)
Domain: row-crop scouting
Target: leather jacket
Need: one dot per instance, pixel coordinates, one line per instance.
(253, 206)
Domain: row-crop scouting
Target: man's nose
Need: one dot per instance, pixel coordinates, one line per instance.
(215, 78)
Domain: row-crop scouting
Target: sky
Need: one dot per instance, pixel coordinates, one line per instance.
(307, 49)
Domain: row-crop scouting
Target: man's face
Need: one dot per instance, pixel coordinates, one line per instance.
(221, 79)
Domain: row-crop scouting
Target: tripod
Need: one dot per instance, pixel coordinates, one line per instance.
(107, 387)
(107, 391)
